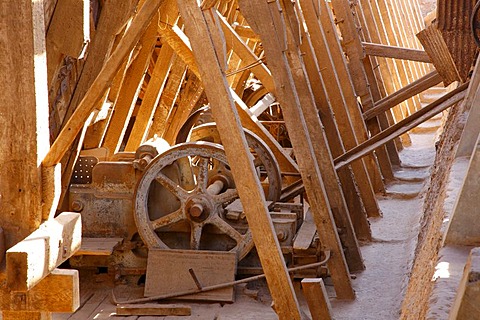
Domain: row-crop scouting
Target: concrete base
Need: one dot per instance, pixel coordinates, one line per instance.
(464, 227)
(467, 301)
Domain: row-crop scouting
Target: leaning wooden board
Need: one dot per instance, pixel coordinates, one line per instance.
(168, 272)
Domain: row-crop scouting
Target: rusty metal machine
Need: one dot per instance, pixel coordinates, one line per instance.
(179, 197)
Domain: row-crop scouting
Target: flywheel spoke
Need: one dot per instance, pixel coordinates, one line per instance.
(171, 186)
(168, 219)
(195, 236)
(227, 196)
(202, 177)
(227, 229)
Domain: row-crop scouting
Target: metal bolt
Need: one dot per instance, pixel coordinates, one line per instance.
(77, 206)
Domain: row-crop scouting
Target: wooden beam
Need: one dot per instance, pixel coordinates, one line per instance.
(57, 292)
(403, 126)
(150, 99)
(204, 32)
(153, 309)
(24, 132)
(131, 86)
(381, 50)
(235, 43)
(96, 91)
(317, 298)
(414, 88)
(262, 15)
(32, 259)
(436, 48)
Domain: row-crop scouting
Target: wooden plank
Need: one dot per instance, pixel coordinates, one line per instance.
(127, 97)
(58, 292)
(436, 48)
(69, 30)
(32, 259)
(381, 50)
(235, 43)
(74, 125)
(322, 153)
(154, 309)
(341, 94)
(356, 209)
(150, 98)
(356, 66)
(199, 26)
(98, 246)
(262, 15)
(168, 271)
(317, 299)
(403, 126)
(87, 311)
(24, 109)
(414, 88)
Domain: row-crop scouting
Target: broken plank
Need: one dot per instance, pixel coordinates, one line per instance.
(317, 299)
(435, 46)
(414, 88)
(153, 309)
(381, 50)
(32, 259)
(403, 126)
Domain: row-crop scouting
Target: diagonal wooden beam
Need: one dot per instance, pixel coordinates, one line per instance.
(96, 91)
(203, 30)
(381, 50)
(403, 126)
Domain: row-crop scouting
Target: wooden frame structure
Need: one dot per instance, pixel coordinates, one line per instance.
(142, 75)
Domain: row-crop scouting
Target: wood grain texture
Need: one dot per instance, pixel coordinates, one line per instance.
(32, 259)
(199, 26)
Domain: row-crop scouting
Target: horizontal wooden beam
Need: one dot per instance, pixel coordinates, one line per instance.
(103, 81)
(402, 127)
(32, 259)
(410, 90)
(381, 50)
(58, 292)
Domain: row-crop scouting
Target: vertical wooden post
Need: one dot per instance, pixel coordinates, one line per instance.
(24, 132)
(262, 15)
(205, 32)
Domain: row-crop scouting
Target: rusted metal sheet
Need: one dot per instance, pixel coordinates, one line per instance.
(453, 18)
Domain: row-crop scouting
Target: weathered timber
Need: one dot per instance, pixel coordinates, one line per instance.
(33, 258)
(262, 15)
(24, 134)
(321, 148)
(127, 98)
(75, 123)
(317, 299)
(150, 98)
(336, 197)
(403, 126)
(68, 33)
(381, 50)
(341, 95)
(416, 87)
(437, 50)
(358, 77)
(57, 292)
(154, 309)
(203, 28)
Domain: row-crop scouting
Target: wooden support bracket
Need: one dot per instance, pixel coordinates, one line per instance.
(32, 259)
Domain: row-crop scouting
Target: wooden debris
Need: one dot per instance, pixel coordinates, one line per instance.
(154, 309)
